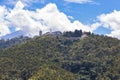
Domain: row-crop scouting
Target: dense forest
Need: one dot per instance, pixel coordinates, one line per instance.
(65, 57)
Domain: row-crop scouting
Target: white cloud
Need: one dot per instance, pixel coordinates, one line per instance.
(3, 24)
(20, 19)
(94, 26)
(4, 30)
(57, 20)
(115, 34)
(49, 17)
(80, 1)
(111, 21)
(46, 18)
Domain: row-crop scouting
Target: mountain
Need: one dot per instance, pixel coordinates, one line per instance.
(93, 57)
(12, 42)
(13, 35)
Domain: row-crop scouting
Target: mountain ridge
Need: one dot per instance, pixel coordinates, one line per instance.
(91, 58)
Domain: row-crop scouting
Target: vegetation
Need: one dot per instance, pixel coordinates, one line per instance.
(76, 33)
(62, 58)
(13, 41)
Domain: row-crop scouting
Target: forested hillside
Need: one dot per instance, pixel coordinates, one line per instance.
(62, 58)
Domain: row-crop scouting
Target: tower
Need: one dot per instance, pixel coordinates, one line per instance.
(40, 33)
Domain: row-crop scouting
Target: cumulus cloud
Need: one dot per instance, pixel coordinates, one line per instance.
(31, 22)
(50, 18)
(115, 34)
(20, 19)
(112, 22)
(53, 18)
(80, 1)
(3, 24)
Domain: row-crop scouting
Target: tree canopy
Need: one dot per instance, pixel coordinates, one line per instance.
(62, 58)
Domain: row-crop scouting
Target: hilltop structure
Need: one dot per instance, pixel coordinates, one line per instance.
(40, 33)
(56, 33)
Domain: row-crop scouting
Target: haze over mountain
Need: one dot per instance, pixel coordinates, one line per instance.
(13, 35)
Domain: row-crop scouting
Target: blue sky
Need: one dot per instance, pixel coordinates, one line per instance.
(102, 14)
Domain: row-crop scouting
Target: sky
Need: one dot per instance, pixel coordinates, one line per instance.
(30, 16)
